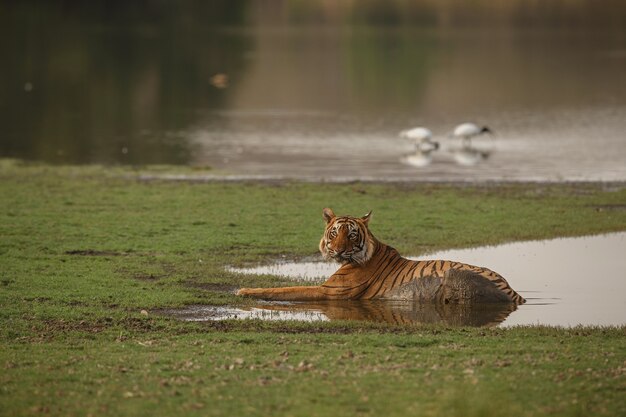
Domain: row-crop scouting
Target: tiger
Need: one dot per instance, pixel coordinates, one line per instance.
(370, 269)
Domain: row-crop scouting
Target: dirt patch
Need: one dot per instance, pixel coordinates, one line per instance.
(47, 330)
(93, 252)
(149, 277)
(216, 287)
(302, 327)
(614, 207)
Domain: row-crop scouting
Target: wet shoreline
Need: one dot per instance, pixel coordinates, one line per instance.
(284, 179)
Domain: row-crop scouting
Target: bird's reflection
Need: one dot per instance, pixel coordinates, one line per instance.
(419, 159)
(400, 312)
(469, 155)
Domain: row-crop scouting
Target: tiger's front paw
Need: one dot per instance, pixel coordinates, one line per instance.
(244, 291)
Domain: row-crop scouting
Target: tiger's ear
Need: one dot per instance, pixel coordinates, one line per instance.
(367, 217)
(328, 214)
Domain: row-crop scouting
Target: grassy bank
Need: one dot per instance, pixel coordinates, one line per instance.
(84, 250)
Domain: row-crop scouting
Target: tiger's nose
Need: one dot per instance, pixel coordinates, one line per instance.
(344, 254)
(341, 250)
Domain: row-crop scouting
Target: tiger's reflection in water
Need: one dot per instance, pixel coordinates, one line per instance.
(402, 312)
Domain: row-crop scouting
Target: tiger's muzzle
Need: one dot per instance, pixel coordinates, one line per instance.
(345, 256)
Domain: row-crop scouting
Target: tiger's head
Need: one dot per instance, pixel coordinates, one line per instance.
(347, 239)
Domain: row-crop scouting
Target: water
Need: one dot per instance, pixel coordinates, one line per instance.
(393, 312)
(566, 282)
(317, 89)
(204, 313)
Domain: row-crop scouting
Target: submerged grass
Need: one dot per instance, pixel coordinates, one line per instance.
(85, 249)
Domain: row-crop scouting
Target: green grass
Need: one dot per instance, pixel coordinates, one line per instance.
(417, 371)
(84, 249)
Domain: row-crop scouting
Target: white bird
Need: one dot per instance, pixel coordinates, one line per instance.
(466, 131)
(424, 146)
(423, 139)
(417, 133)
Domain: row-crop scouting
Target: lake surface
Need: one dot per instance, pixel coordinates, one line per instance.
(566, 282)
(317, 89)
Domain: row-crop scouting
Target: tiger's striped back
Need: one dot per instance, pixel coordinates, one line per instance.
(438, 268)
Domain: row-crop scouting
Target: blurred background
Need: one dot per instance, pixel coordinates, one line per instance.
(317, 88)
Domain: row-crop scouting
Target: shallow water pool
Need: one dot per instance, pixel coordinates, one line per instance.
(566, 282)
